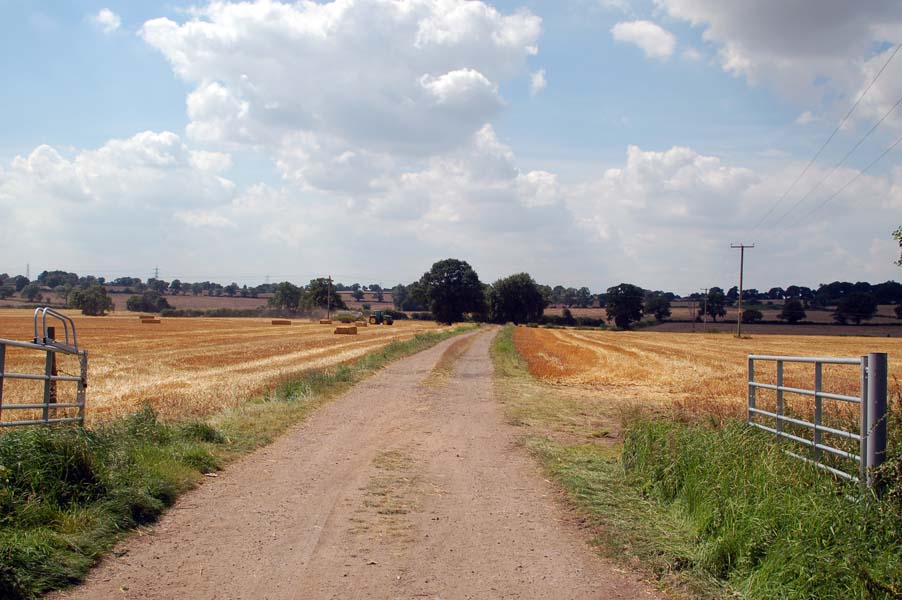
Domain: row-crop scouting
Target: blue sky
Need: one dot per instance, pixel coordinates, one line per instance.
(369, 139)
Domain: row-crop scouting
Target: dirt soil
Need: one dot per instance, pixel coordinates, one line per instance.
(406, 487)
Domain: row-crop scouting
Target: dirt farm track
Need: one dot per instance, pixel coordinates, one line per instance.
(190, 366)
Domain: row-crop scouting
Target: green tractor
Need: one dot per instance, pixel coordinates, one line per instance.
(380, 318)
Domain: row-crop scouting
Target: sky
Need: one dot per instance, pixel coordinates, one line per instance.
(587, 142)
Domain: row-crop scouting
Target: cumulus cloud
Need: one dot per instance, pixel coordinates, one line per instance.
(805, 49)
(127, 189)
(345, 82)
(107, 20)
(537, 82)
(653, 39)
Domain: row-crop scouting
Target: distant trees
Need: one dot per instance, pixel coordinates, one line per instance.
(357, 294)
(855, 307)
(148, 301)
(715, 305)
(898, 311)
(320, 293)
(516, 298)
(32, 292)
(286, 297)
(93, 301)
(659, 306)
(752, 315)
(452, 288)
(53, 279)
(792, 312)
(624, 304)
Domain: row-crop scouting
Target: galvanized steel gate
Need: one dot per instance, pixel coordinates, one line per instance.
(45, 341)
(871, 435)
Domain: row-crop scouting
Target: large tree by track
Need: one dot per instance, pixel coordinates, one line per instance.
(516, 298)
(453, 288)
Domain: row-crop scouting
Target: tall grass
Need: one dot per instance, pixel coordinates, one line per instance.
(68, 494)
(771, 526)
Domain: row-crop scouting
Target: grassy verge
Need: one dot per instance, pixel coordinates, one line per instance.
(582, 453)
(709, 511)
(769, 525)
(67, 494)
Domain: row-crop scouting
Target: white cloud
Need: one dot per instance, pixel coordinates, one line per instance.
(807, 50)
(119, 198)
(372, 85)
(107, 20)
(692, 54)
(806, 118)
(537, 82)
(653, 39)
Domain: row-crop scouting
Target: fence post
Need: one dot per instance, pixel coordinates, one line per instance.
(876, 449)
(818, 408)
(82, 384)
(751, 415)
(779, 395)
(863, 425)
(2, 371)
(49, 371)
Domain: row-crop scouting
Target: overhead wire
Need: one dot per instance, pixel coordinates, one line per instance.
(828, 140)
(840, 163)
(848, 183)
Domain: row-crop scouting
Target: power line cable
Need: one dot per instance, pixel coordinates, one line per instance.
(848, 183)
(840, 163)
(827, 141)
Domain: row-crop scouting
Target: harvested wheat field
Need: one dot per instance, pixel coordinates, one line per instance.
(697, 372)
(185, 367)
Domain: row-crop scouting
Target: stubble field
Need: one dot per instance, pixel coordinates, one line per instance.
(186, 367)
(696, 373)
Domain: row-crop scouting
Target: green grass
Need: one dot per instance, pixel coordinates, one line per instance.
(712, 511)
(68, 494)
(769, 525)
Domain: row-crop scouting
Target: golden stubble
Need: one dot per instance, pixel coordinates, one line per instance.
(696, 373)
(187, 367)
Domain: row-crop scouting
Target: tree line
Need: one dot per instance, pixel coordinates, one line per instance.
(452, 289)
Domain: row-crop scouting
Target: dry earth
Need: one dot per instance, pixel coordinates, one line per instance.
(410, 486)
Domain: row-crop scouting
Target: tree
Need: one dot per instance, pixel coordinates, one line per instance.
(898, 311)
(319, 292)
(775, 293)
(94, 301)
(792, 312)
(715, 304)
(6, 291)
(624, 304)
(157, 285)
(855, 307)
(659, 306)
(517, 299)
(231, 289)
(20, 281)
(32, 292)
(175, 286)
(286, 297)
(752, 315)
(149, 301)
(52, 279)
(897, 235)
(357, 294)
(584, 297)
(378, 296)
(452, 288)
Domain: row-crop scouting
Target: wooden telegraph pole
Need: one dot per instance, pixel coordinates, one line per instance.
(741, 248)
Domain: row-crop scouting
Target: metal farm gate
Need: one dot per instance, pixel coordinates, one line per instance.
(45, 341)
(870, 438)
